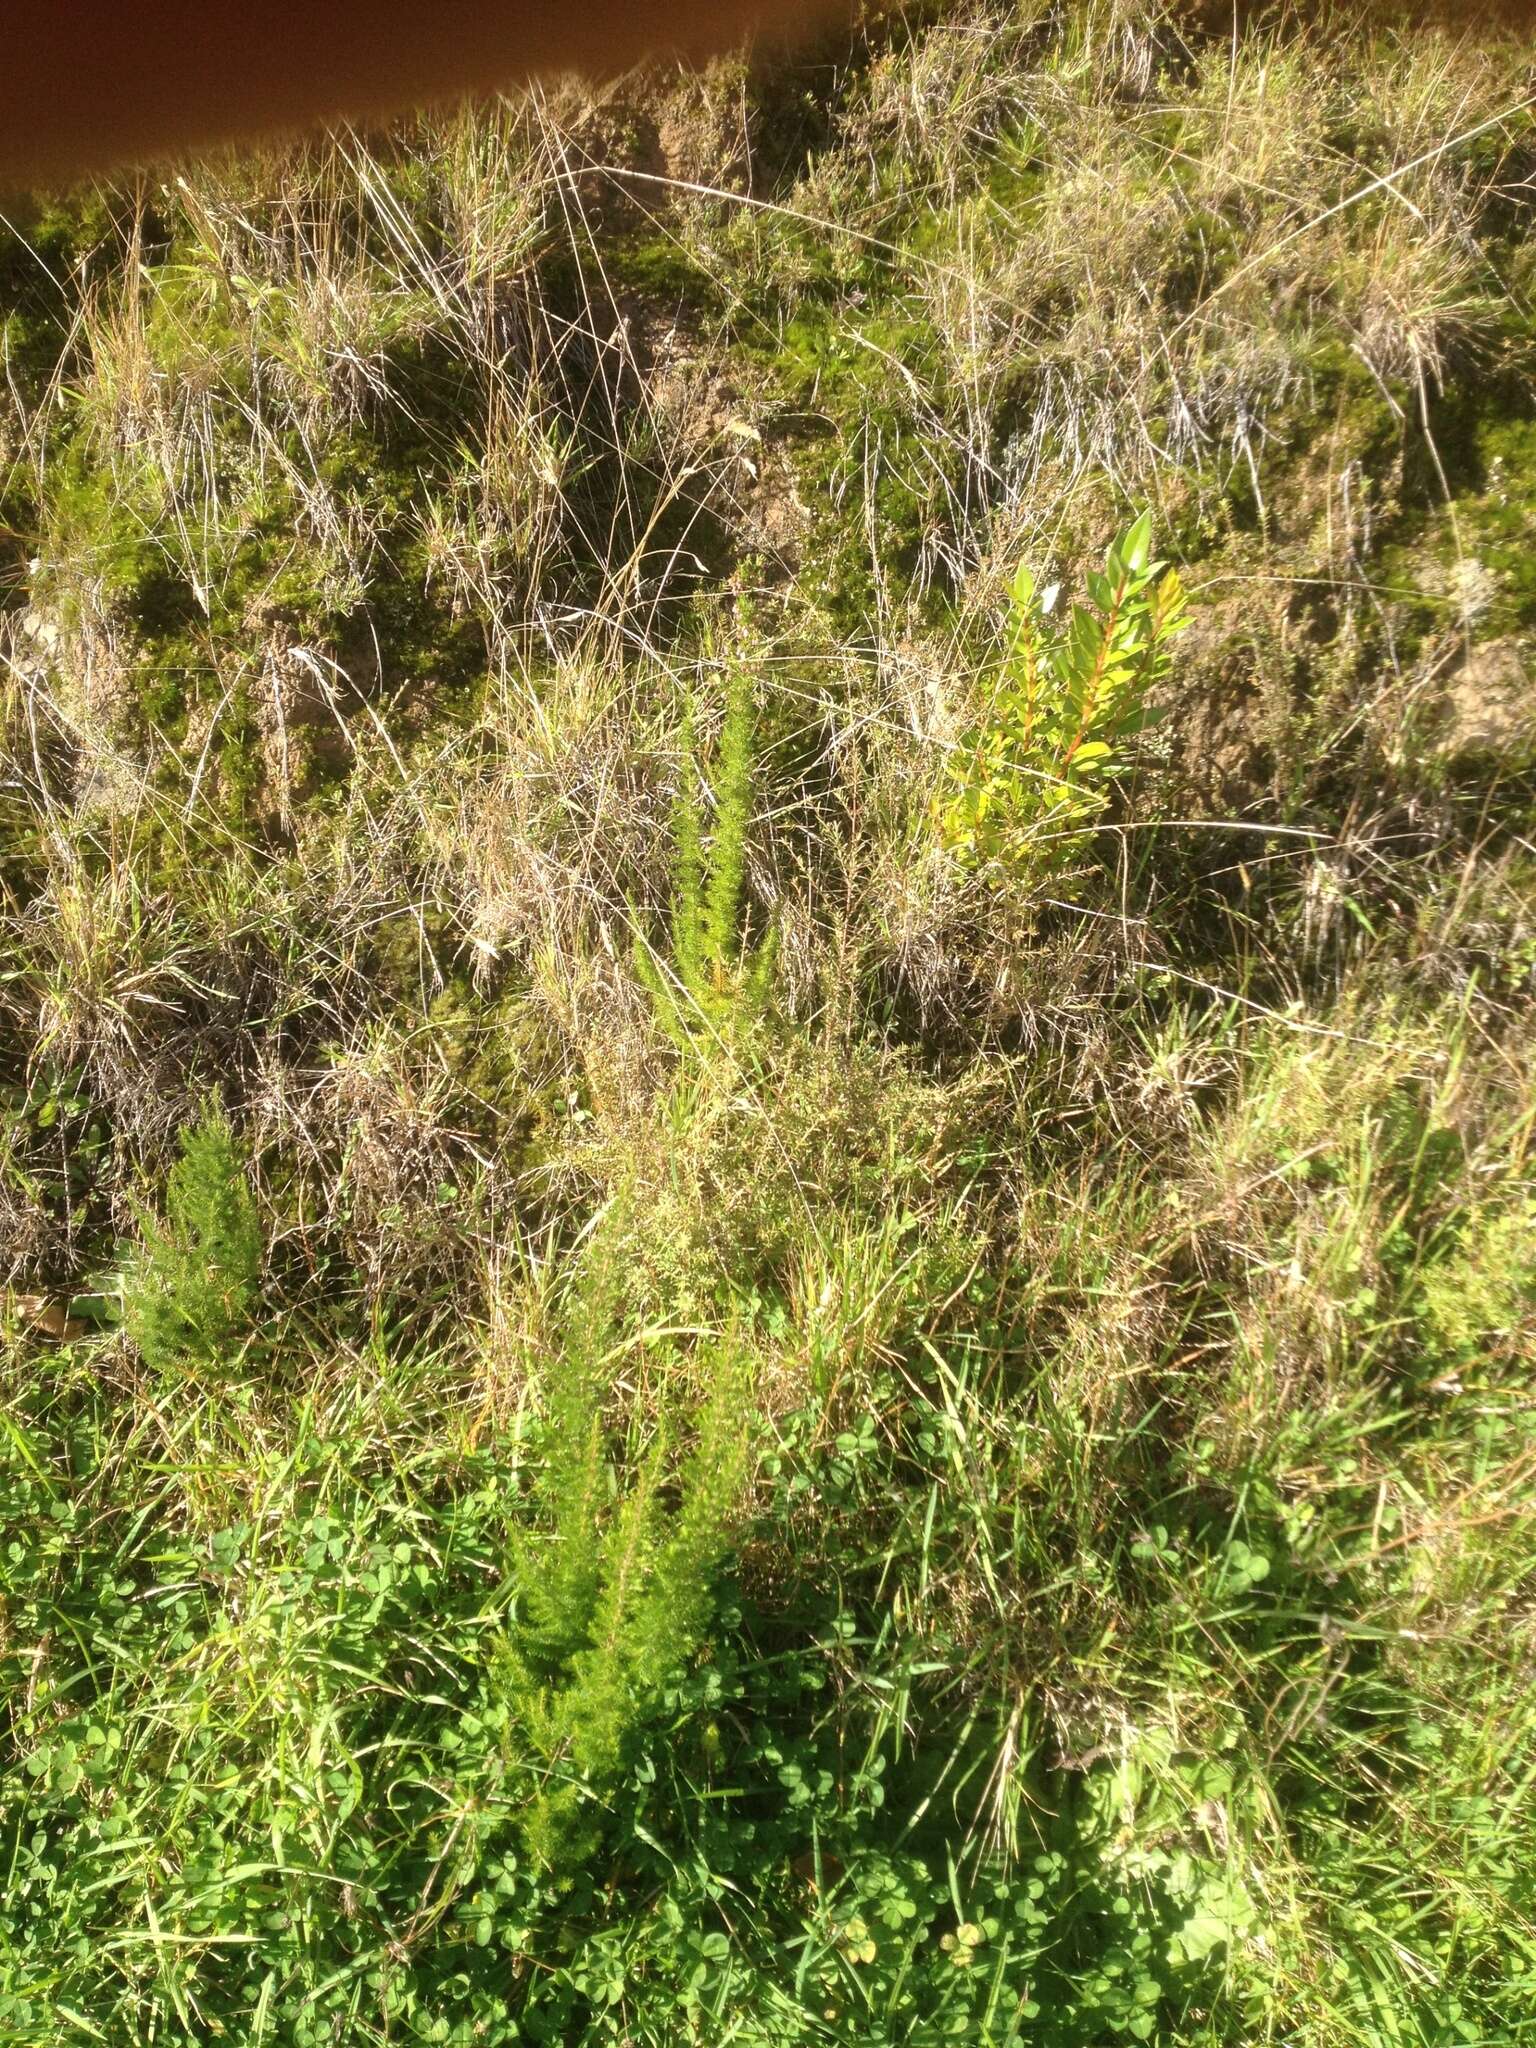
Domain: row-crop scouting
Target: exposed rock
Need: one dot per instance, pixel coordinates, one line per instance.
(87, 679)
(701, 129)
(1219, 736)
(44, 634)
(1473, 588)
(1490, 704)
(713, 435)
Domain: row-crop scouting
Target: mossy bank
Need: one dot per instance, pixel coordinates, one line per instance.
(767, 1226)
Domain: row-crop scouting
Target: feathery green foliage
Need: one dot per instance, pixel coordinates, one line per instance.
(190, 1289)
(616, 1574)
(717, 981)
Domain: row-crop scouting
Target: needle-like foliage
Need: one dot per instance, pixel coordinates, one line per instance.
(189, 1290)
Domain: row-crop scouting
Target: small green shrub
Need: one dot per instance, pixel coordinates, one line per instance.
(615, 1577)
(188, 1291)
(1478, 1296)
(1066, 703)
(715, 983)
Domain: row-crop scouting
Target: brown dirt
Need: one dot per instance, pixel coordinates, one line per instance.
(1491, 703)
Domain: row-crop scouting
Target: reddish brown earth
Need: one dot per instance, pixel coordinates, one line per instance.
(89, 84)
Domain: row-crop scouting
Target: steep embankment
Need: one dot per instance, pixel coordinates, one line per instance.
(753, 1299)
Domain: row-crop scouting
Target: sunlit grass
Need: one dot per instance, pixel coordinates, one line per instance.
(646, 1401)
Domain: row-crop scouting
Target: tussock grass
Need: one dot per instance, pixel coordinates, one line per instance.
(644, 1401)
